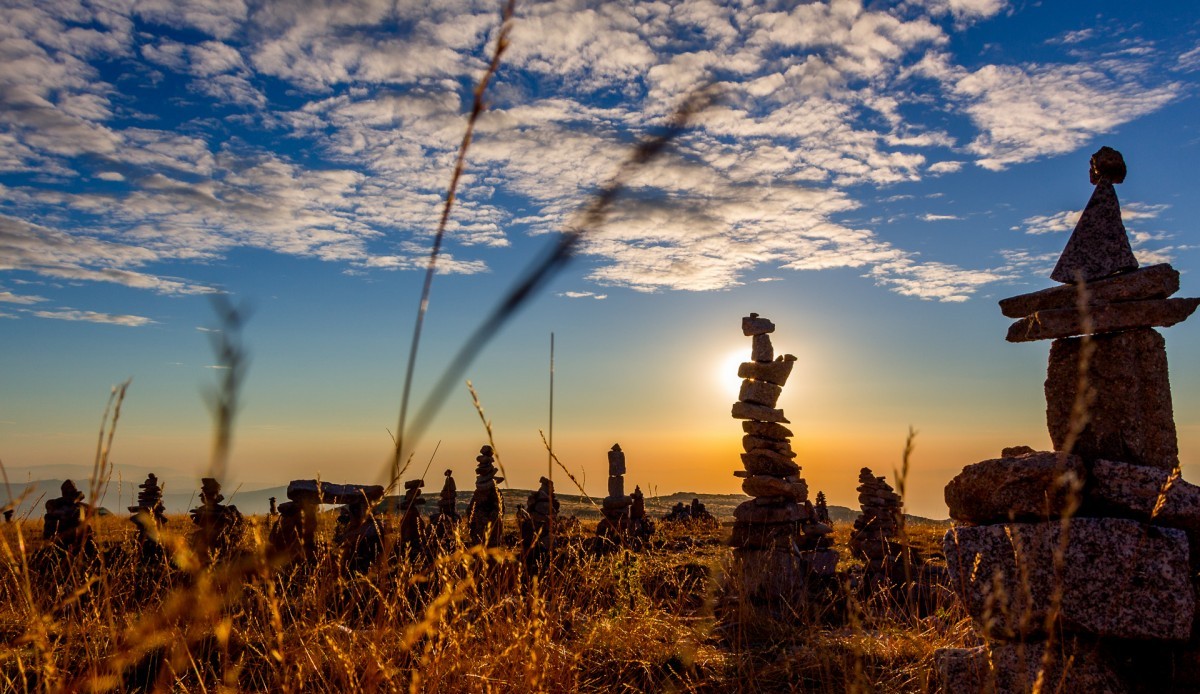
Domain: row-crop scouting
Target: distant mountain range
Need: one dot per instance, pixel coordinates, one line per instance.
(123, 492)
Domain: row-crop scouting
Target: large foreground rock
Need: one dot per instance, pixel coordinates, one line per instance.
(1147, 494)
(1034, 486)
(1131, 419)
(1012, 668)
(1105, 318)
(1120, 578)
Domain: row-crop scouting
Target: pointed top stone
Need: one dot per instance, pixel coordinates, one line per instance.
(1099, 246)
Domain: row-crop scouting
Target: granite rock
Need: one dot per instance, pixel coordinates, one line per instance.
(776, 372)
(1033, 486)
(760, 393)
(1131, 418)
(1120, 578)
(1151, 282)
(1012, 668)
(1136, 490)
(1099, 246)
(759, 413)
(1106, 318)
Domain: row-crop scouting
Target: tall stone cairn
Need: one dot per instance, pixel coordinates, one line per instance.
(413, 526)
(874, 538)
(65, 521)
(486, 509)
(1123, 570)
(218, 526)
(774, 533)
(149, 515)
(536, 520)
(614, 510)
(821, 509)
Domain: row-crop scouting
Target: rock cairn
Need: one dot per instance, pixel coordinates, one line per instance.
(218, 526)
(149, 515)
(357, 535)
(614, 510)
(485, 512)
(696, 514)
(414, 528)
(536, 522)
(295, 531)
(876, 533)
(1124, 574)
(65, 520)
(770, 532)
(821, 509)
(641, 528)
(444, 521)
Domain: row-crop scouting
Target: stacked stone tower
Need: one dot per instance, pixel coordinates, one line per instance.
(874, 538)
(774, 533)
(1120, 574)
(445, 519)
(536, 520)
(149, 515)
(614, 524)
(486, 509)
(218, 525)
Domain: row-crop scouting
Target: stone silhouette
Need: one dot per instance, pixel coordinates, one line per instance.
(149, 515)
(536, 521)
(1122, 571)
(776, 539)
(218, 526)
(876, 538)
(485, 512)
(65, 523)
(444, 522)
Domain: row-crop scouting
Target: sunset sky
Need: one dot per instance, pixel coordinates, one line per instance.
(875, 177)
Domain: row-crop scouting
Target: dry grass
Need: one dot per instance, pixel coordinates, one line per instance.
(472, 620)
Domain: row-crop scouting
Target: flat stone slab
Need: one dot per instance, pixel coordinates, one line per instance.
(1012, 668)
(760, 393)
(776, 372)
(1120, 578)
(751, 512)
(768, 485)
(315, 491)
(1099, 245)
(1151, 282)
(1106, 318)
(1131, 418)
(758, 413)
(1033, 486)
(767, 430)
(1137, 490)
(764, 462)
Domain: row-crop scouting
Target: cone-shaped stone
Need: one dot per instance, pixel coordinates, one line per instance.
(1099, 246)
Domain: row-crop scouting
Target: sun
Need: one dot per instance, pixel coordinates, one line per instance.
(726, 378)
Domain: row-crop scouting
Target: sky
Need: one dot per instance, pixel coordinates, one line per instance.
(873, 178)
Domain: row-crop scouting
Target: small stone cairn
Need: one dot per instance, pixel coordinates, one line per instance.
(1124, 569)
(821, 509)
(149, 515)
(218, 526)
(695, 513)
(641, 527)
(295, 531)
(536, 522)
(444, 521)
(485, 512)
(775, 536)
(357, 535)
(64, 523)
(875, 533)
(414, 528)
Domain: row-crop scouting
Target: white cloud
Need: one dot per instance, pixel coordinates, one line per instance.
(584, 295)
(945, 167)
(10, 298)
(930, 217)
(95, 317)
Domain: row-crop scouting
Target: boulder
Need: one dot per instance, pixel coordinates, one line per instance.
(1120, 578)
(1131, 419)
(1137, 490)
(1033, 486)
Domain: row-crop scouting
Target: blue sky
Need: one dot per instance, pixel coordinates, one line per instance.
(876, 176)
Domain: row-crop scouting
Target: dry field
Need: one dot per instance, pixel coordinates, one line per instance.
(663, 619)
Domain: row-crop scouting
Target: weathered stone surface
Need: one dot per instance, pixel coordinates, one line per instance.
(314, 491)
(760, 413)
(750, 512)
(784, 448)
(1107, 164)
(1014, 451)
(761, 349)
(771, 575)
(1012, 668)
(763, 462)
(766, 485)
(765, 535)
(1120, 578)
(1033, 486)
(616, 485)
(612, 503)
(767, 430)
(755, 325)
(1106, 318)
(616, 460)
(1131, 418)
(776, 372)
(1136, 490)
(760, 393)
(1151, 282)
(1099, 246)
